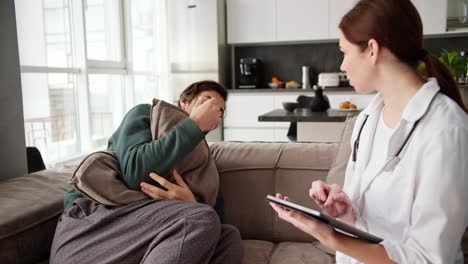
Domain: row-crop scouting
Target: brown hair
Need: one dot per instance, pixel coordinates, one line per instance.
(195, 88)
(396, 25)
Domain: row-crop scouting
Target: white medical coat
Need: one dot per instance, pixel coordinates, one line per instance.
(420, 208)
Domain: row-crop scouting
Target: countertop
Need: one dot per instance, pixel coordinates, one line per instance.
(289, 90)
(300, 90)
(281, 115)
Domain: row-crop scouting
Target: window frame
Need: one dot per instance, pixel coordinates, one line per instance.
(82, 68)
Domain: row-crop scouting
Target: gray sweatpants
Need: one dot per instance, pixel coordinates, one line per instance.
(162, 231)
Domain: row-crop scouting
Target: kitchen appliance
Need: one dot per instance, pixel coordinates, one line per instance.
(250, 73)
(305, 77)
(328, 79)
(344, 81)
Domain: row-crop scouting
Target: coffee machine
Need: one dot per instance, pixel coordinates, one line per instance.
(250, 73)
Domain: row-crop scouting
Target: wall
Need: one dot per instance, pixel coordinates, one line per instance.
(12, 142)
(285, 61)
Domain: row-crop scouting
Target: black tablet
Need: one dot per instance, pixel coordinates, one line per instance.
(336, 224)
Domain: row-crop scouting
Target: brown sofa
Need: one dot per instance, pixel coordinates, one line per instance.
(30, 205)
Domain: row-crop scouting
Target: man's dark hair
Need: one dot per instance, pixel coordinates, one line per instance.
(195, 88)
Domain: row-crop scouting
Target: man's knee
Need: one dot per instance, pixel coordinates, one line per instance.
(206, 221)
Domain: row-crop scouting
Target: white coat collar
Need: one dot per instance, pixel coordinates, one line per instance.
(416, 108)
(419, 103)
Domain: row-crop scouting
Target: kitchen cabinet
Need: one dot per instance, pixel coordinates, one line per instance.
(301, 19)
(251, 21)
(338, 8)
(241, 120)
(433, 15)
(263, 21)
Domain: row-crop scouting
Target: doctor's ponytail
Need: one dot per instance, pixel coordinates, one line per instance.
(396, 25)
(448, 86)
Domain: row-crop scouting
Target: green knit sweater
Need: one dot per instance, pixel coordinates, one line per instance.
(138, 155)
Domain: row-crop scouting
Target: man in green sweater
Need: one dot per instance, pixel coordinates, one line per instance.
(172, 228)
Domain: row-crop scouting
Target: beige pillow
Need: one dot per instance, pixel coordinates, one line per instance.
(198, 168)
(336, 174)
(98, 178)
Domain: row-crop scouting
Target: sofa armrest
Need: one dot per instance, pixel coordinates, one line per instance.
(30, 206)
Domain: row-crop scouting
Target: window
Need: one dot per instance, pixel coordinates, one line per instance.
(103, 30)
(143, 49)
(84, 64)
(50, 121)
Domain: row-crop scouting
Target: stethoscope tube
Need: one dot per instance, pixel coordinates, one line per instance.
(356, 142)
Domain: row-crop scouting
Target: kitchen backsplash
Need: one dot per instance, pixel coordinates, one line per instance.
(285, 61)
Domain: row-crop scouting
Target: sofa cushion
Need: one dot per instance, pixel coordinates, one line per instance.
(338, 168)
(294, 252)
(235, 156)
(256, 251)
(298, 166)
(258, 169)
(30, 207)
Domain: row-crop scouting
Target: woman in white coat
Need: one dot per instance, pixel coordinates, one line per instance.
(406, 179)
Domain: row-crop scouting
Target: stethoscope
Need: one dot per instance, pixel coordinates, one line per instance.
(393, 161)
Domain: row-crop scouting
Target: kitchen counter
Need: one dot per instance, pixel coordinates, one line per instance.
(281, 115)
(300, 90)
(289, 90)
(310, 126)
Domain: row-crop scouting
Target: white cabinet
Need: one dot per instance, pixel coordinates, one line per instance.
(304, 20)
(242, 110)
(241, 120)
(433, 15)
(301, 19)
(251, 21)
(338, 8)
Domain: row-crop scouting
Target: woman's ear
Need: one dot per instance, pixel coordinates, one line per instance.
(374, 50)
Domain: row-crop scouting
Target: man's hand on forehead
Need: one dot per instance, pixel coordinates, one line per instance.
(205, 98)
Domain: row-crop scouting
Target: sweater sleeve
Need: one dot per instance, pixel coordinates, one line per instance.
(138, 155)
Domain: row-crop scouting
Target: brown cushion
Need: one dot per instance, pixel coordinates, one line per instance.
(258, 169)
(98, 178)
(293, 252)
(256, 251)
(299, 165)
(338, 168)
(198, 168)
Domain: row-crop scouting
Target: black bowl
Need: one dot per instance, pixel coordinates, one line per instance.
(290, 106)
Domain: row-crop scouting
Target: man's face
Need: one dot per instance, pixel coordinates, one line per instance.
(205, 95)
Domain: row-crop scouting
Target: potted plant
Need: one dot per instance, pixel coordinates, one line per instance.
(456, 63)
